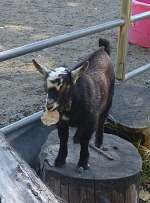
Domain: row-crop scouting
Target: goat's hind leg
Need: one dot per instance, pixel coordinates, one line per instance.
(63, 133)
(100, 130)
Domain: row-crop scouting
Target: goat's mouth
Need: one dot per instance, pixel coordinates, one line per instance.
(50, 117)
(52, 107)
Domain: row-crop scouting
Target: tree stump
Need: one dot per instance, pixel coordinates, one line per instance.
(116, 180)
(129, 116)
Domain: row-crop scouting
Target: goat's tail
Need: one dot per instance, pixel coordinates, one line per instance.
(105, 43)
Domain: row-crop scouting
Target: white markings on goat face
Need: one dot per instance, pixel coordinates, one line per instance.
(55, 82)
(55, 77)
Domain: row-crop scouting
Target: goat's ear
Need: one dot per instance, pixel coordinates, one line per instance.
(75, 74)
(42, 69)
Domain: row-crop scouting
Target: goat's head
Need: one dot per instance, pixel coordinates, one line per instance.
(58, 84)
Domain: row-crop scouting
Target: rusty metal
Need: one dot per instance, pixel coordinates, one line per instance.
(123, 40)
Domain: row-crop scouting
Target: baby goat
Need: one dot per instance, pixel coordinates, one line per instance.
(83, 97)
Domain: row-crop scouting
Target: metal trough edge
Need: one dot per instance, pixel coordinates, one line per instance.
(21, 123)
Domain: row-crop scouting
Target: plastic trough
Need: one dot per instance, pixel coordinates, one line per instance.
(140, 30)
(27, 136)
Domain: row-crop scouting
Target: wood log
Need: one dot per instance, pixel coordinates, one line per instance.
(129, 116)
(116, 180)
(18, 182)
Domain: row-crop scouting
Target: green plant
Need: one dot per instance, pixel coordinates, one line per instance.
(145, 177)
(145, 153)
(112, 124)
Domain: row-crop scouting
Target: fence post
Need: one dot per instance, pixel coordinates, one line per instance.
(123, 40)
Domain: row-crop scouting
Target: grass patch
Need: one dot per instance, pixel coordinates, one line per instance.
(145, 153)
(145, 178)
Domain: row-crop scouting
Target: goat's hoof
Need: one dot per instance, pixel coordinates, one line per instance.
(97, 144)
(59, 162)
(82, 169)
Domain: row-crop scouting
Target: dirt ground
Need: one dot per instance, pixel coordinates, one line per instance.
(28, 21)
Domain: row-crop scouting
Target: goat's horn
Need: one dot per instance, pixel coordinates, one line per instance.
(42, 69)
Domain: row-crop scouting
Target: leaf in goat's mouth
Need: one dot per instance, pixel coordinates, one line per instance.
(50, 117)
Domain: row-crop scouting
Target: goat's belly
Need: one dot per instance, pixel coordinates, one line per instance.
(74, 123)
(76, 119)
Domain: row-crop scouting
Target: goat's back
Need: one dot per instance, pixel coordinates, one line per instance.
(96, 86)
(100, 74)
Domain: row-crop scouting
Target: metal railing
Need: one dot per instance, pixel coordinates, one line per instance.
(37, 46)
(123, 23)
(123, 42)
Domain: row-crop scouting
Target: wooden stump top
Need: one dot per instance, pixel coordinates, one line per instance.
(131, 105)
(127, 161)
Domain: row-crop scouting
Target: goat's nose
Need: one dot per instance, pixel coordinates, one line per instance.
(50, 104)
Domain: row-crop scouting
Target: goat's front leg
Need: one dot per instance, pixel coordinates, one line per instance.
(77, 135)
(63, 133)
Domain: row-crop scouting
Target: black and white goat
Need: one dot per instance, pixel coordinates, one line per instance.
(83, 97)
